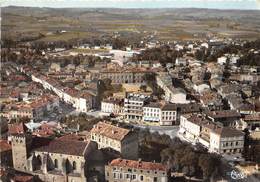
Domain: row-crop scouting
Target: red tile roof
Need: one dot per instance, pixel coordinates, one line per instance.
(110, 131)
(137, 164)
(69, 147)
(4, 146)
(17, 128)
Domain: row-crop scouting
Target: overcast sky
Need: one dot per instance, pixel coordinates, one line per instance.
(216, 4)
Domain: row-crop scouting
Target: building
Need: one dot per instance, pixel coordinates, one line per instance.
(122, 170)
(191, 126)
(226, 117)
(225, 140)
(133, 106)
(114, 106)
(52, 160)
(163, 113)
(121, 140)
(196, 128)
(5, 154)
(124, 75)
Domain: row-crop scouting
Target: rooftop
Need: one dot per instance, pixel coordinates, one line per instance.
(110, 131)
(137, 164)
(69, 147)
(228, 132)
(223, 114)
(5, 146)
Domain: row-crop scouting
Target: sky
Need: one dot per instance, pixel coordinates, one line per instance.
(212, 4)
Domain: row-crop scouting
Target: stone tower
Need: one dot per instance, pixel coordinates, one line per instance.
(21, 144)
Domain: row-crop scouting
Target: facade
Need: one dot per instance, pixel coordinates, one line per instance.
(124, 76)
(122, 170)
(119, 139)
(133, 106)
(225, 140)
(163, 113)
(114, 106)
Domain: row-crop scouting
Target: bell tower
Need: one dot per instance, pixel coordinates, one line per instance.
(21, 144)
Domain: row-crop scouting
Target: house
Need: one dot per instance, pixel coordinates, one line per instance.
(201, 87)
(191, 126)
(211, 100)
(226, 117)
(111, 105)
(196, 128)
(163, 113)
(222, 60)
(226, 140)
(181, 62)
(252, 121)
(122, 170)
(177, 95)
(121, 140)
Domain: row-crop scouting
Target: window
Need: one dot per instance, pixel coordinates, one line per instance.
(141, 178)
(56, 163)
(114, 174)
(155, 179)
(74, 166)
(133, 176)
(120, 176)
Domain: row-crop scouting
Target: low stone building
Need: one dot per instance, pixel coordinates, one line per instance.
(119, 139)
(122, 170)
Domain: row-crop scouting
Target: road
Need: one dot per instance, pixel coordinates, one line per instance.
(168, 130)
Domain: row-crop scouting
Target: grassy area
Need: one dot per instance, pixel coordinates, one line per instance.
(90, 51)
(66, 36)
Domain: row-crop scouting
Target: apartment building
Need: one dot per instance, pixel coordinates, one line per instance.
(196, 128)
(161, 112)
(124, 75)
(226, 140)
(122, 170)
(119, 139)
(133, 106)
(111, 105)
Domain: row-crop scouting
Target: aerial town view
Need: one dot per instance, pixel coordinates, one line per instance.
(130, 91)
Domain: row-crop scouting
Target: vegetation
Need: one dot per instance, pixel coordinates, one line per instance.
(179, 156)
(84, 121)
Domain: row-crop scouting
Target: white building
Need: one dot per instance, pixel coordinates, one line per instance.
(133, 106)
(112, 106)
(164, 113)
(222, 60)
(225, 140)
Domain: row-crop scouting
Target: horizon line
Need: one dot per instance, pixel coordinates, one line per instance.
(152, 8)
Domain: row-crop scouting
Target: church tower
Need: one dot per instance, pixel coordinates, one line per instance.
(21, 144)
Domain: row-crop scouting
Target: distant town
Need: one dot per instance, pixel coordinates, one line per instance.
(115, 110)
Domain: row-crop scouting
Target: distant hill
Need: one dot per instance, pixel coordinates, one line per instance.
(169, 23)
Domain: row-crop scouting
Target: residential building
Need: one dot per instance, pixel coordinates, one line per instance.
(119, 139)
(226, 140)
(226, 117)
(122, 170)
(161, 112)
(133, 106)
(111, 105)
